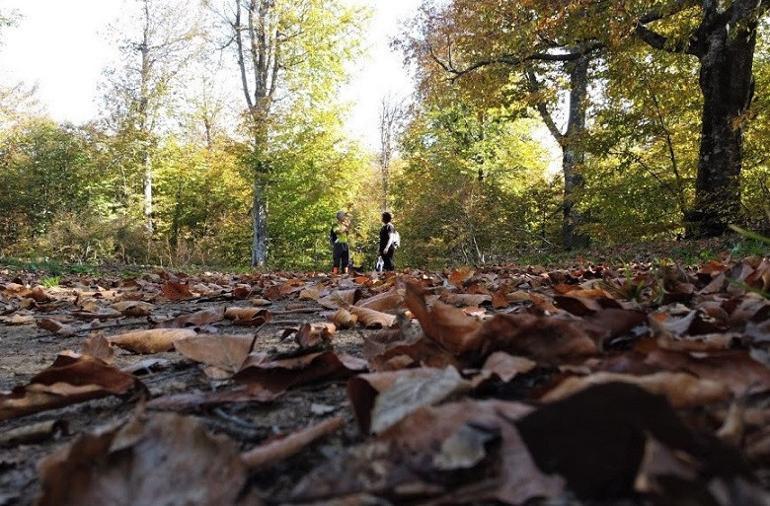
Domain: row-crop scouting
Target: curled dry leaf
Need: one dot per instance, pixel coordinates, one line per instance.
(196, 319)
(56, 327)
(133, 308)
(340, 298)
(18, 319)
(150, 341)
(681, 389)
(70, 380)
(167, 459)
(248, 316)
(310, 335)
(343, 319)
(386, 302)
(466, 299)
(373, 319)
(191, 401)
(292, 444)
(281, 374)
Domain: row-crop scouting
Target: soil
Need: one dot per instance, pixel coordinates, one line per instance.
(27, 350)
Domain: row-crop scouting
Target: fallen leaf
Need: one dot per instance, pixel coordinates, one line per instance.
(311, 335)
(381, 400)
(197, 319)
(70, 380)
(167, 459)
(150, 341)
(190, 401)
(681, 389)
(282, 374)
(133, 308)
(373, 319)
(57, 327)
(292, 444)
(173, 291)
(98, 347)
(343, 319)
(227, 353)
(386, 302)
(248, 316)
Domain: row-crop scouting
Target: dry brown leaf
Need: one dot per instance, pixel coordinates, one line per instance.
(506, 367)
(281, 374)
(381, 400)
(310, 335)
(18, 319)
(466, 299)
(459, 277)
(386, 302)
(681, 389)
(168, 459)
(57, 327)
(196, 319)
(373, 319)
(173, 291)
(343, 319)
(227, 353)
(133, 308)
(150, 341)
(248, 316)
(191, 401)
(292, 444)
(70, 380)
(98, 347)
(340, 298)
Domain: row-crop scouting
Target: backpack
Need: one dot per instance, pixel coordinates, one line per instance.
(332, 237)
(396, 239)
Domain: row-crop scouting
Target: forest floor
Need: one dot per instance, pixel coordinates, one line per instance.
(589, 383)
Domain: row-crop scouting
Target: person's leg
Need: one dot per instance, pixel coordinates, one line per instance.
(337, 258)
(388, 259)
(345, 261)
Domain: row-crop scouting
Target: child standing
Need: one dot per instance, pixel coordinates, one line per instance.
(388, 242)
(339, 241)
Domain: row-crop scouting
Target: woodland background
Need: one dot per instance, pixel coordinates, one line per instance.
(641, 96)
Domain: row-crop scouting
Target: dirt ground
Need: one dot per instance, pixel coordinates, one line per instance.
(26, 350)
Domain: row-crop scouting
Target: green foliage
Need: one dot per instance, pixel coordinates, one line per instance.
(473, 188)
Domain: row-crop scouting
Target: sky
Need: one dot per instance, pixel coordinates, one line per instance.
(62, 46)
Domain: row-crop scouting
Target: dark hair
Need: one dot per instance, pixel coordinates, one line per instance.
(386, 217)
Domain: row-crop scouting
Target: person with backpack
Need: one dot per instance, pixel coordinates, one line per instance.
(389, 242)
(338, 237)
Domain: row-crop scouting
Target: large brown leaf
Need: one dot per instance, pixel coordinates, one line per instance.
(381, 400)
(70, 380)
(227, 353)
(386, 302)
(681, 389)
(168, 459)
(282, 374)
(373, 319)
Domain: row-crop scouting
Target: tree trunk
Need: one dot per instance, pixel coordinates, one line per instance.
(727, 85)
(259, 225)
(573, 154)
(147, 182)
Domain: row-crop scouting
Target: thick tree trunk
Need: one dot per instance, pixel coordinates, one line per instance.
(727, 84)
(573, 154)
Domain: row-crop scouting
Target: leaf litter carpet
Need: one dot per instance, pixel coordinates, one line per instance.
(593, 384)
